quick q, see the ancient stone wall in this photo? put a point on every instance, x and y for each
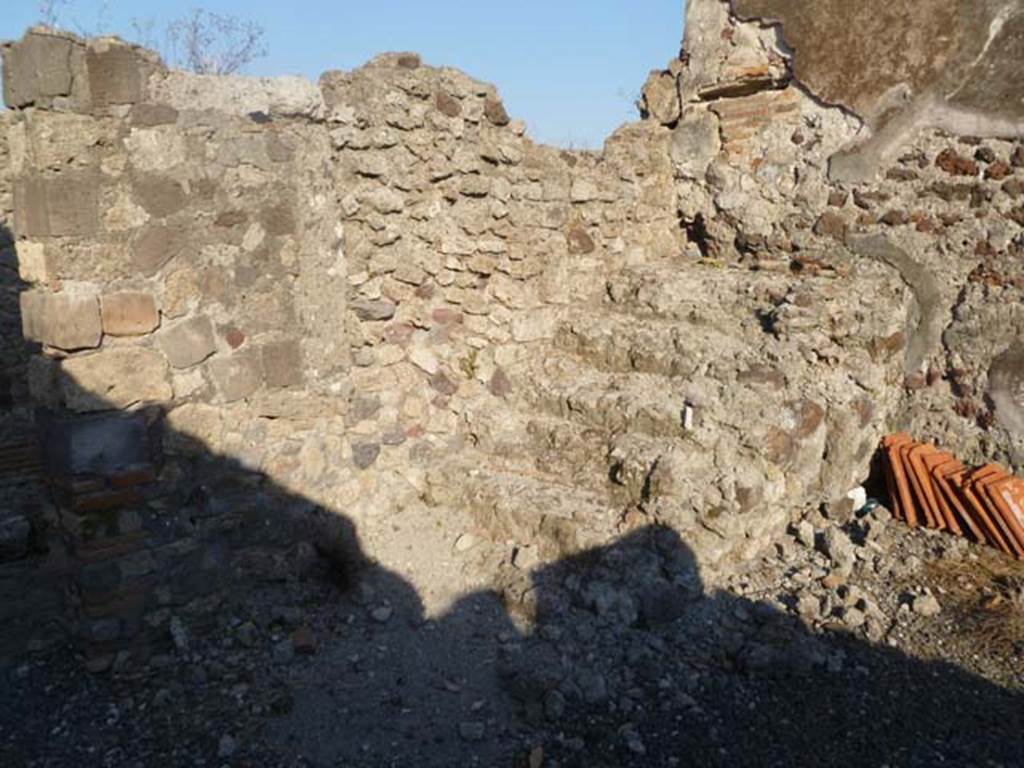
(183, 278)
(766, 110)
(272, 315)
(12, 393)
(203, 257)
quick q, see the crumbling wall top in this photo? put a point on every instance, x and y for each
(871, 57)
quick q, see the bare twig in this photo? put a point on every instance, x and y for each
(49, 12)
(211, 44)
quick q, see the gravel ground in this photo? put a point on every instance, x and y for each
(855, 642)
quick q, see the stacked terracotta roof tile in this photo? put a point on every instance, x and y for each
(929, 487)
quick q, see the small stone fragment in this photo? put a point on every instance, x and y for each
(927, 605)
(382, 614)
(832, 225)
(373, 311)
(805, 533)
(955, 164)
(364, 455)
(447, 105)
(526, 558)
(494, 111)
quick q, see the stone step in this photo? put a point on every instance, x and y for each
(619, 465)
(611, 402)
(622, 343)
(555, 518)
(537, 442)
(705, 296)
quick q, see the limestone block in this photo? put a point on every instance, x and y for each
(114, 378)
(282, 363)
(33, 266)
(384, 200)
(55, 140)
(373, 310)
(129, 314)
(237, 376)
(117, 73)
(495, 112)
(196, 428)
(151, 115)
(189, 342)
(154, 247)
(36, 68)
(96, 445)
(696, 141)
(65, 321)
(278, 220)
(583, 191)
(535, 325)
(159, 195)
(156, 149)
(661, 97)
(57, 206)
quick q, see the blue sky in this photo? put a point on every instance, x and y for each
(569, 68)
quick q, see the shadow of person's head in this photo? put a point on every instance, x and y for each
(646, 578)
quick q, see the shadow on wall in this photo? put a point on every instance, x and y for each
(31, 575)
(15, 407)
(629, 661)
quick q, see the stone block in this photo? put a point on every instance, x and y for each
(160, 196)
(106, 500)
(56, 140)
(369, 311)
(495, 112)
(66, 205)
(157, 149)
(33, 265)
(696, 142)
(129, 314)
(154, 247)
(117, 74)
(278, 220)
(152, 115)
(283, 364)
(105, 445)
(661, 99)
(37, 68)
(237, 376)
(115, 378)
(579, 241)
(189, 342)
(59, 320)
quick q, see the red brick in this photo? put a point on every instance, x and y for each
(106, 500)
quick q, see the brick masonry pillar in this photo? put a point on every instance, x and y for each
(101, 471)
